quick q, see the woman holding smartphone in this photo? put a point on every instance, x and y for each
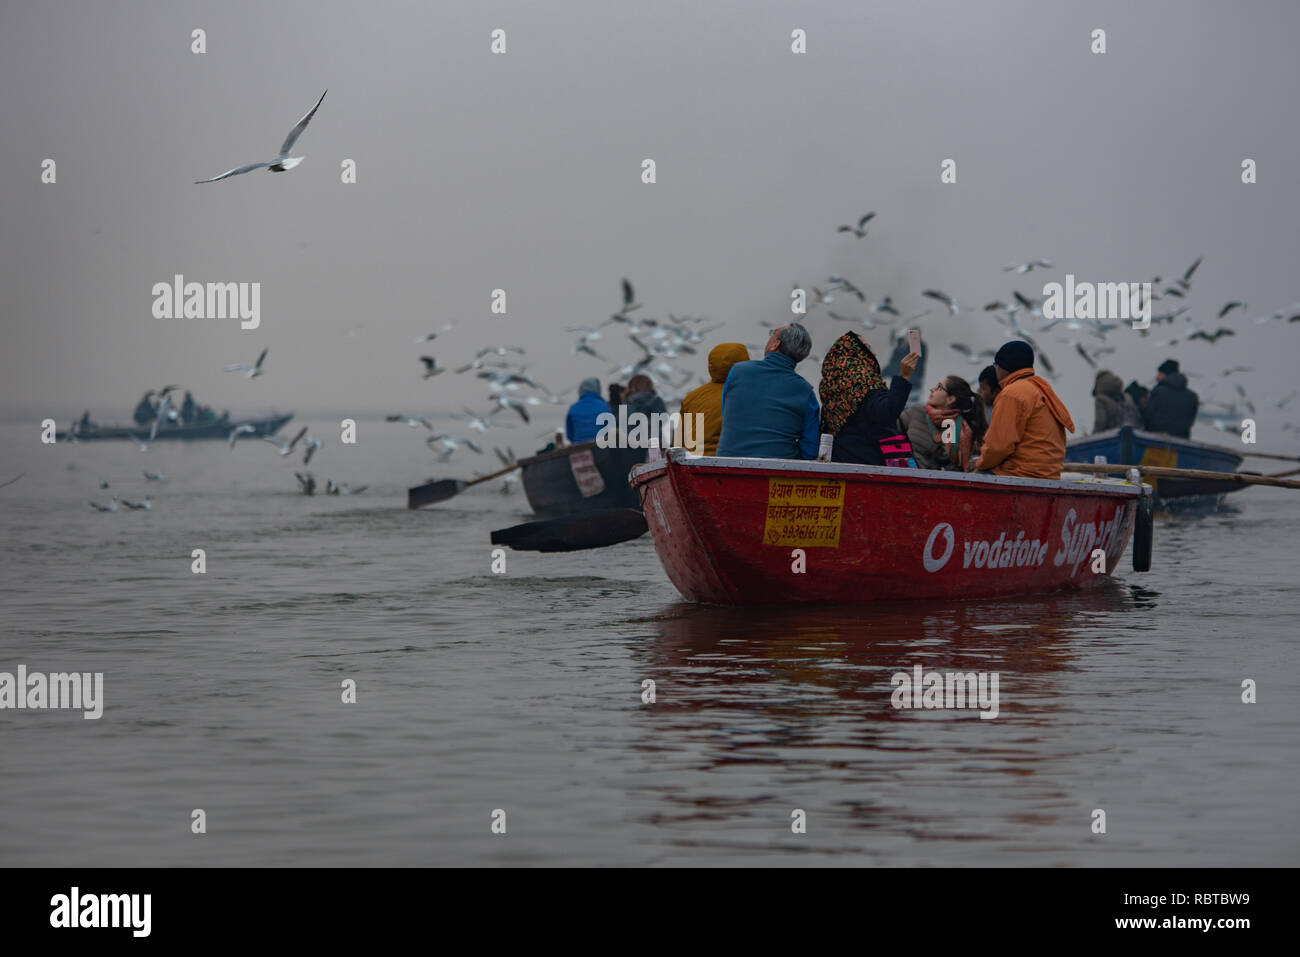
(857, 407)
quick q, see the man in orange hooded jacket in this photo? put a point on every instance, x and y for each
(707, 399)
(1027, 435)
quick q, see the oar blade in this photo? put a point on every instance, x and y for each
(433, 492)
(597, 530)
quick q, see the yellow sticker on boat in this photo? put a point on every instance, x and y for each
(1165, 458)
(804, 512)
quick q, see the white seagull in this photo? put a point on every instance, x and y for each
(286, 448)
(239, 430)
(250, 372)
(309, 448)
(445, 445)
(283, 161)
(414, 421)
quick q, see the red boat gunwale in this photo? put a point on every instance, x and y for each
(735, 531)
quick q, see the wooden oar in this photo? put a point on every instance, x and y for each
(1156, 471)
(1269, 455)
(432, 492)
(1285, 474)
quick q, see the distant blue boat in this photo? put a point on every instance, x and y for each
(1130, 446)
(220, 429)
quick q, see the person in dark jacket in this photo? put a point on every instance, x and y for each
(1171, 407)
(616, 396)
(894, 366)
(857, 408)
(1113, 406)
(188, 409)
(769, 411)
(988, 390)
(580, 424)
(145, 411)
(641, 397)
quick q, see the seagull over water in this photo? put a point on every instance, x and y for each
(250, 372)
(281, 162)
(286, 447)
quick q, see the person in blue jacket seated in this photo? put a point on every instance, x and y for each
(769, 411)
(857, 407)
(580, 423)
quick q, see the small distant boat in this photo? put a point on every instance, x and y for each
(736, 531)
(267, 425)
(1130, 446)
(579, 494)
(579, 480)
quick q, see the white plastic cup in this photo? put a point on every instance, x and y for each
(652, 453)
(824, 451)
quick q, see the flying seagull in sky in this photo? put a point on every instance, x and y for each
(414, 421)
(944, 298)
(1028, 266)
(286, 447)
(1211, 337)
(250, 372)
(283, 161)
(861, 229)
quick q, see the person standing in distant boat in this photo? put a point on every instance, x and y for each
(1138, 393)
(1113, 407)
(1171, 407)
(145, 411)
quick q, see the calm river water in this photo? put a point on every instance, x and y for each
(522, 691)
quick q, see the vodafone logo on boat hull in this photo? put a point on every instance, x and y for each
(1005, 551)
(931, 563)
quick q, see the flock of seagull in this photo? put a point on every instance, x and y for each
(1021, 317)
(512, 391)
(660, 341)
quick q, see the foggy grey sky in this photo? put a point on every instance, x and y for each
(523, 172)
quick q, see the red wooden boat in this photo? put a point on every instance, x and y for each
(736, 531)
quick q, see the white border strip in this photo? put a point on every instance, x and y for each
(1083, 484)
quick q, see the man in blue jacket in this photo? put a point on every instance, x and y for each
(769, 411)
(580, 423)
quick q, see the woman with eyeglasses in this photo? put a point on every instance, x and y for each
(947, 432)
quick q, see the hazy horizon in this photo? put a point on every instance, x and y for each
(522, 171)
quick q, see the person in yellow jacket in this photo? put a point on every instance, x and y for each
(1027, 435)
(707, 399)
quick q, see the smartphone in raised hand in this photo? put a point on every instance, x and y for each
(914, 340)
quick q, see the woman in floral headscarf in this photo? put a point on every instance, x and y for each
(857, 408)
